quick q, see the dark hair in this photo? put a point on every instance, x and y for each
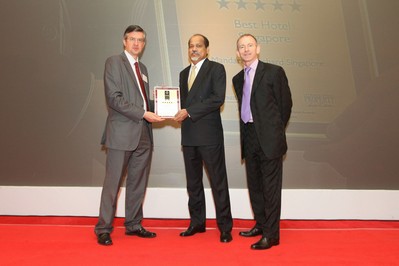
(133, 28)
(206, 41)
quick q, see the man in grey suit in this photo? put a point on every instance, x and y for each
(265, 103)
(203, 89)
(127, 136)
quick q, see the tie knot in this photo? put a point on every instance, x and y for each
(247, 70)
(192, 77)
(193, 71)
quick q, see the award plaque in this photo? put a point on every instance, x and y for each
(167, 101)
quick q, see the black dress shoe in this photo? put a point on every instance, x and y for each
(265, 243)
(192, 230)
(253, 232)
(141, 232)
(225, 237)
(104, 239)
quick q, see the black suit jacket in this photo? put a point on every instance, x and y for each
(203, 102)
(271, 105)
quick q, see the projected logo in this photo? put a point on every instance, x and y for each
(260, 5)
(306, 37)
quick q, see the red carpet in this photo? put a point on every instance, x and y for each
(71, 241)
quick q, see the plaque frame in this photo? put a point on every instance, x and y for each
(166, 101)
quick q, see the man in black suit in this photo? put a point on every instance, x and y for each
(265, 103)
(127, 136)
(203, 89)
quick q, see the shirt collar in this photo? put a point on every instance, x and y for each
(198, 65)
(254, 64)
(130, 58)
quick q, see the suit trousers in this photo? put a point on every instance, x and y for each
(213, 157)
(264, 179)
(137, 165)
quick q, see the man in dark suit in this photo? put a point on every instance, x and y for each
(203, 89)
(264, 101)
(127, 136)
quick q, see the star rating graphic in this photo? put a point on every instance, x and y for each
(223, 3)
(274, 5)
(241, 4)
(295, 6)
(260, 5)
(277, 5)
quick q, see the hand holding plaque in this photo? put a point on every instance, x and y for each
(167, 101)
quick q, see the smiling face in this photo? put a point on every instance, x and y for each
(197, 50)
(247, 49)
(134, 43)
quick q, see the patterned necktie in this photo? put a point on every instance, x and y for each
(136, 65)
(192, 77)
(246, 97)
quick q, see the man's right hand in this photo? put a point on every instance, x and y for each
(152, 117)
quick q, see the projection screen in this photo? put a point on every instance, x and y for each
(341, 59)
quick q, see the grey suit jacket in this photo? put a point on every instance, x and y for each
(125, 104)
(203, 102)
(271, 105)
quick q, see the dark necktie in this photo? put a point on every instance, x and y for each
(136, 65)
(246, 97)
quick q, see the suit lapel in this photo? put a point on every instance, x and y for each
(258, 76)
(198, 79)
(200, 75)
(144, 73)
(240, 84)
(130, 70)
(184, 85)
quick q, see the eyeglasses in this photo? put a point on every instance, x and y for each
(139, 40)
